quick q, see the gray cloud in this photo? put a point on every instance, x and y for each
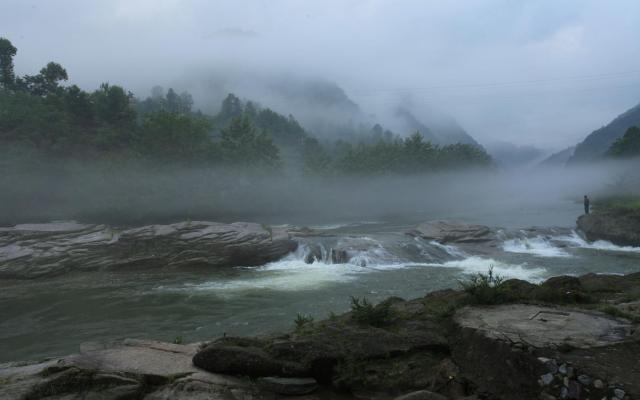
(543, 73)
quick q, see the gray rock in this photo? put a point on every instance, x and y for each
(31, 251)
(584, 379)
(563, 369)
(422, 395)
(598, 384)
(620, 227)
(122, 370)
(546, 379)
(545, 326)
(289, 386)
(246, 361)
(619, 393)
(453, 232)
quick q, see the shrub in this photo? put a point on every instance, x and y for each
(363, 312)
(486, 288)
(301, 321)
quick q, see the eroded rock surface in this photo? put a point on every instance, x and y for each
(540, 327)
(34, 250)
(618, 227)
(453, 232)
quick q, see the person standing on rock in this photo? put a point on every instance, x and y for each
(586, 204)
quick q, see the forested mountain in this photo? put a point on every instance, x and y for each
(628, 146)
(598, 142)
(40, 113)
(437, 128)
(559, 158)
(509, 155)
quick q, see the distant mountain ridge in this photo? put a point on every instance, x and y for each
(440, 129)
(596, 144)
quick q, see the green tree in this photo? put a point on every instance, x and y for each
(231, 108)
(113, 105)
(627, 146)
(167, 136)
(242, 145)
(7, 52)
(47, 81)
(316, 159)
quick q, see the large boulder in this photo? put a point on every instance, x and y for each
(131, 369)
(245, 361)
(526, 351)
(34, 250)
(618, 227)
(453, 232)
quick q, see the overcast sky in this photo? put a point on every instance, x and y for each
(530, 72)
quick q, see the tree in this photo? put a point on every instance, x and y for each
(231, 107)
(627, 146)
(241, 144)
(173, 101)
(316, 158)
(7, 52)
(113, 106)
(167, 136)
(46, 82)
(186, 102)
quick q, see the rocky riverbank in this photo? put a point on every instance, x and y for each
(568, 337)
(618, 225)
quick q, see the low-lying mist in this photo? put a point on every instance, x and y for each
(131, 193)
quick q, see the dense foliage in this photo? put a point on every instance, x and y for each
(66, 121)
(410, 155)
(628, 145)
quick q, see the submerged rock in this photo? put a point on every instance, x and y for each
(30, 251)
(453, 232)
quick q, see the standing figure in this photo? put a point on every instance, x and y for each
(586, 204)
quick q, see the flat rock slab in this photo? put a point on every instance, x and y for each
(545, 326)
(453, 232)
(40, 250)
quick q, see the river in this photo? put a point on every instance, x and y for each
(53, 316)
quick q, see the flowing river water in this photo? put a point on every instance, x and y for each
(53, 316)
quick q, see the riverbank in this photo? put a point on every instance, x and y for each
(616, 220)
(567, 337)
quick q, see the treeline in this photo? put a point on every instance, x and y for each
(65, 121)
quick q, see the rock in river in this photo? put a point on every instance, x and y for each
(34, 250)
(616, 226)
(453, 232)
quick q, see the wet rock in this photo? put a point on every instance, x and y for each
(30, 251)
(289, 386)
(422, 395)
(546, 379)
(619, 393)
(584, 380)
(453, 232)
(246, 361)
(621, 227)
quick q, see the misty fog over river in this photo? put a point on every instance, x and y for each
(53, 316)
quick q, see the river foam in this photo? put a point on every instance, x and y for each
(537, 246)
(576, 241)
